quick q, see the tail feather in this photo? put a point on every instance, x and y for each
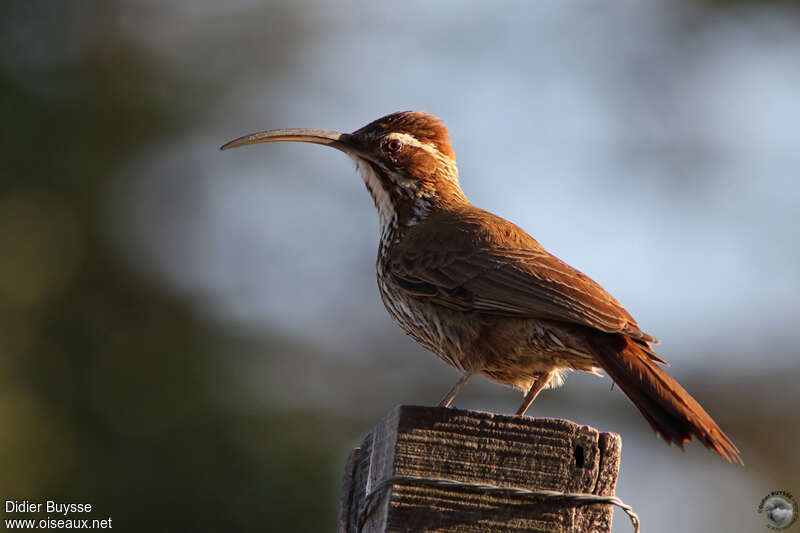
(669, 409)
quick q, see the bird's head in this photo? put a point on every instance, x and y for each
(405, 159)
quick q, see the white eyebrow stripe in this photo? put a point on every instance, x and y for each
(450, 172)
(448, 168)
(410, 140)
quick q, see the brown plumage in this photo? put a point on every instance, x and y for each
(670, 410)
(483, 295)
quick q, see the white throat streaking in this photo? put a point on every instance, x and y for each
(386, 212)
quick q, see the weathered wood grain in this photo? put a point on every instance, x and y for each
(476, 447)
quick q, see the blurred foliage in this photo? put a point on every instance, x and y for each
(110, 390)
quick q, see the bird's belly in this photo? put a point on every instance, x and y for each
(450, 334)
(512, 351)
(520, 350)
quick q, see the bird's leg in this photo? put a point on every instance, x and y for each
(536, 387)
(456, 389)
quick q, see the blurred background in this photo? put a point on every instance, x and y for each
(192, 339)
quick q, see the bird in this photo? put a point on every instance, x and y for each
(779, 511)
(485, 296)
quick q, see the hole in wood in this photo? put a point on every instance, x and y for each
(578, 454)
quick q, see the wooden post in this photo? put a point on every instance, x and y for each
(415, 444)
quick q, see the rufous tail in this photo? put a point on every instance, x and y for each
(669, 409)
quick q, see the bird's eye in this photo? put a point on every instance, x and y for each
(394, 145)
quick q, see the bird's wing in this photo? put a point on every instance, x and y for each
(471, 260)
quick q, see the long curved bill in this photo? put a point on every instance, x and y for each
(334, 139)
